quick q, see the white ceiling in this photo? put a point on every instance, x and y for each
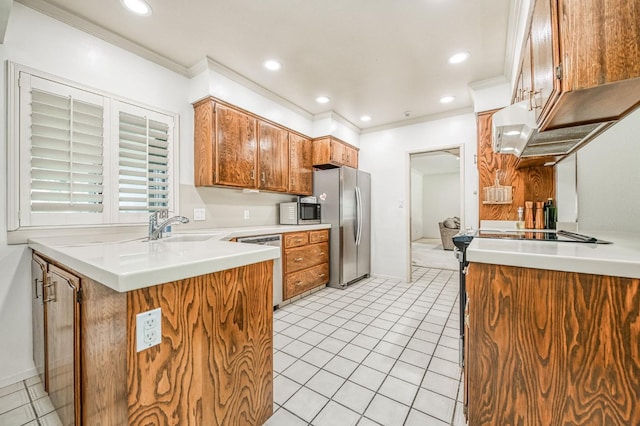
(436, 162)
(374, 57)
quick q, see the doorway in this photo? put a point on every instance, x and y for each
(436, 201)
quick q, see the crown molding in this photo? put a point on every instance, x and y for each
(418, 120)
(102, 33)
(488, 83)
(212, 65)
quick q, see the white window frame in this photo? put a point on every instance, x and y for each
(18, 156)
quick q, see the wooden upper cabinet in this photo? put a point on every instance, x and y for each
(585, 60)
(544, 57)
(273, 157)
(235, 148)
(300, 167)
(330, 152)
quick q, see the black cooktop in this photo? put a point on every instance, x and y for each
(540, 235)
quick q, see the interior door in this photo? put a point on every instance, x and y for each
(63, 344)
(349, 224)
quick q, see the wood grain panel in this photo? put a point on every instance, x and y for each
(238, 327)
(300, 165)
(544, 55)
(38, 315)
(63, 345)
(552, 348)
(204, 143)
(165, 381)
(318, 236)
(301, 281)
(104, 355)
(296, 239)
(235, 148)
(299, 258)
(273, 157)
(600, 41)
(321, 151)
(529, 183)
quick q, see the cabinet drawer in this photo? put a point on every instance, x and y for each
(307, 279)
(318, 236)
(305, 257)
(296, 239)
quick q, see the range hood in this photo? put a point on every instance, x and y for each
(515, 132)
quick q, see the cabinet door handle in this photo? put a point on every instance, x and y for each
(253, 174)
(321, 275)
(35, 286)
(263, 177)
(298, 283)
(298, 259)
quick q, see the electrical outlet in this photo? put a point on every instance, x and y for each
(198, 214)
(148, 329)
(246, 214)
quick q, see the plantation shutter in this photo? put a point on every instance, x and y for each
(66, 154)
(143, 162)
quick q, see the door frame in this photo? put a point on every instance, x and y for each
(462, 177)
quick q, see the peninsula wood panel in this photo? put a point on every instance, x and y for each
(273, 157)
(300, 165)
(238, 330)
(552, 348)
(536, 183)
(104, 355)
(186, 380)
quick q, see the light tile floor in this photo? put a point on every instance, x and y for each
(26, 403)
(381, 352)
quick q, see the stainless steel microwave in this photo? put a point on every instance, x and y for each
(298, 213)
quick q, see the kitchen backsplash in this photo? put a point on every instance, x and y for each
(225, 207)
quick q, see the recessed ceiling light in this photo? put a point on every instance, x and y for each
(365, 118)
(322, 100)
(272, 65)
(459, 57)
(139, 7)
(446, 99)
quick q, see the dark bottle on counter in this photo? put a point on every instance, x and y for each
(550, 214)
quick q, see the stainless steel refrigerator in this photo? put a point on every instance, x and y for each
(345, 196)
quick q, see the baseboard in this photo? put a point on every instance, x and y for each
(9, 380)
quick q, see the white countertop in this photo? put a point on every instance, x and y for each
(621, 259)
(134, 263)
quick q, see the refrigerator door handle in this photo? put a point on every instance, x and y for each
(358, 215)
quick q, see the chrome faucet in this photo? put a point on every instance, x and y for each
(155, 229)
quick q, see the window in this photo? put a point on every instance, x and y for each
(87, 158)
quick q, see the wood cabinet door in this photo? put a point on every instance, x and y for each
(235, 148)
(337, 152)
(351, 157)
(526, 77)
(544, 55)
(63, 344)
(273, 157)
(38, 281)
(300, 167)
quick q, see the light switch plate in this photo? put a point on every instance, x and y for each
(148, 329)
(198, 214)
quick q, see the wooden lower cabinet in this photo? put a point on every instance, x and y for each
(551, 348)
(38, 312)
(306, 261)
(214, 365)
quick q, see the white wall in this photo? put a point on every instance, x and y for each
(417, 193)
(441, 200)
(40, 42)
(609, 179)
(385, 154)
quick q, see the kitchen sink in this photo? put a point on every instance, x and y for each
(183, 238)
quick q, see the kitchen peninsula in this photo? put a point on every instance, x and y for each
(553, 332)
(214, 362)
